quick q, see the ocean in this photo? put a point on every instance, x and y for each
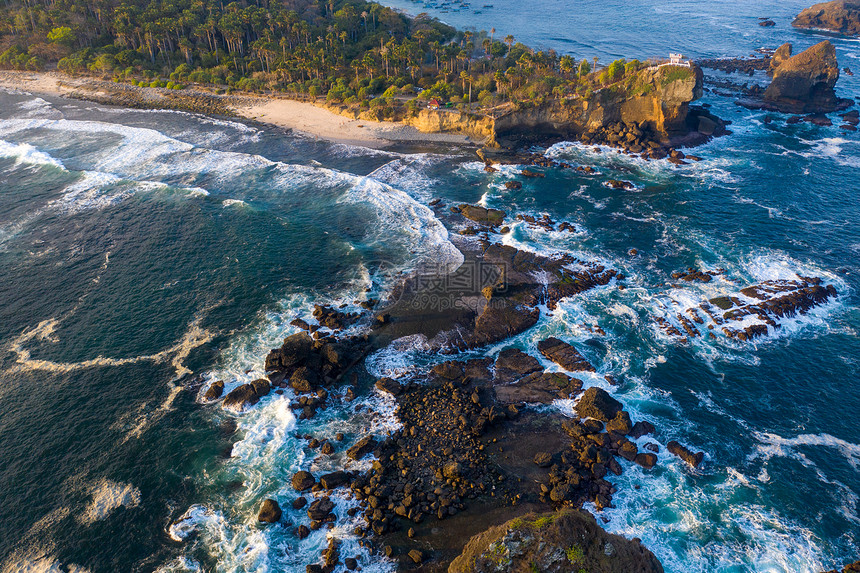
(144, 254)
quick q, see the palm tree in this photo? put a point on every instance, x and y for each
(492, 33)
(509, 40)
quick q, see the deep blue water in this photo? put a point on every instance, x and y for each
(143, 251)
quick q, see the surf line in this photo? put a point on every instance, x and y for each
(194, 337)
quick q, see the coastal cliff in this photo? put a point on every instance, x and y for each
(840, 16)
(804, 83)
(657, 98)
(646, 111)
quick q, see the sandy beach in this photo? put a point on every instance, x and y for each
(302, 117)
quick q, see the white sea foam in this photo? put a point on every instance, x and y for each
(26, 154)
(407, 221)
(771, 445)
(39, 563)
(408, 173)
(107, 496)
(398, 358)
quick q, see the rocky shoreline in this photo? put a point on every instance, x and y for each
(477, 455)
(625, 122)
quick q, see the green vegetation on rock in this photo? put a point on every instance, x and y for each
(353, 54)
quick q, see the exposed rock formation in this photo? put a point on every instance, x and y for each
(850, 568)
(566, 541)
(804, 83)
(841, 16)
(656, 103)
(270, 512)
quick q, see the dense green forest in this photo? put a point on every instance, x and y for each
(347, 51)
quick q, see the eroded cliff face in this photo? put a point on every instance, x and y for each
(656, 101)
(840, 16)
(804, 83)
(477, 127)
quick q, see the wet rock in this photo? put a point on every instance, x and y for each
(647, 461)
(598, 404)
(541, 388)
(270, 512)
(616, 184)
(628, 451)
(299, 503)
(641, 428)
(334, 479)
(361, 448)
(512, 364)
(502, 320)
(303, 481)
(620, 424)
(513, 185)
(320, 509)
(304, 380)
(482, 215)
(564, 355)
(416, 556)
(390, 386)
(694, 459)
(214, 391)
(247, 394)
(302, 531)
(530, 173)
(294, 351)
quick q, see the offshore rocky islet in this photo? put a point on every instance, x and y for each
(473, 450)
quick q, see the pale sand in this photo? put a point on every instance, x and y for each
(302, 117)
(320, 122)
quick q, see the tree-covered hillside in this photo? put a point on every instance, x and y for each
(353, 52)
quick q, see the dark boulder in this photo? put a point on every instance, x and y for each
(694, 459)
(361, 448)
(303, 481)
(247, 394)
(512, 364)
(540, 388)
(320, 509)
(334, 479)
(389, 385)
(214, 391)
(304, 380)
(270, 512)
(641, 428)
(564, 355)
(482, 215)
(598, 404)
(647, 461)
(293, 352)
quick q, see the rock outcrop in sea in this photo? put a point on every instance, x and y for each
(804, 83)
(559, 542)
(653, 109)
(842, 16)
